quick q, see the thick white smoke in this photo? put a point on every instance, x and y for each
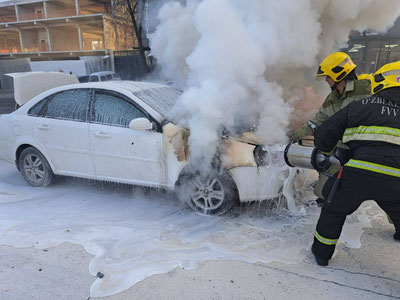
(242, 63)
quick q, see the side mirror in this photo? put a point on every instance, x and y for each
(140, 124)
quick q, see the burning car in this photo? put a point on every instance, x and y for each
(118, 131)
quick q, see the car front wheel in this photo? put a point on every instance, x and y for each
(213, 194)
(35, 168)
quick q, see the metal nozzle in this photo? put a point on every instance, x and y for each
(308, 157)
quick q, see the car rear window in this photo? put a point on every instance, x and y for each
(69, 105)
(160, 99)
(83, 79)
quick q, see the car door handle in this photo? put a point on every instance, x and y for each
(102, 134)
(44, 127)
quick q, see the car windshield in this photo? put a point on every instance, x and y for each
(160, 99)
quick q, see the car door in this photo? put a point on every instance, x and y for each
(119, 153)
(62, 128)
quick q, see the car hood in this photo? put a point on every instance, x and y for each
(249, 137)
(233, 151)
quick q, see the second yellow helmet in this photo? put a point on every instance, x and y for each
(337, 66)
(386, 77)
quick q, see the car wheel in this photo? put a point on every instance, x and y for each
(35, 168)
(213, 194)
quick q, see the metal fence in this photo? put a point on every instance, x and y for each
(129, 65)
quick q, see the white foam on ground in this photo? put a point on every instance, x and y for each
(135, 234)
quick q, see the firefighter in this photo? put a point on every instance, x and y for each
(370, 127)
(339, 71)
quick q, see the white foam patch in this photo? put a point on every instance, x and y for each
(355, 224)
(133, 235)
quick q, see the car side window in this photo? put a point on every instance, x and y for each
(113, 110)
(69, 105)
(103, 78)
(109, 77)
(93, 78)
(37, 108)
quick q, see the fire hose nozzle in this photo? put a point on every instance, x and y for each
(308, 157)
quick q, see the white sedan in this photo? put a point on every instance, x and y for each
(118, 131)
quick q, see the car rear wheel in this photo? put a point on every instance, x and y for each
(213, 194)
(35, 168)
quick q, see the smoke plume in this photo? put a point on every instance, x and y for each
(244, 63)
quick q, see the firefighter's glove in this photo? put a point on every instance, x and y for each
(297, 135)
(301, 132)
(343, 155)
(330, 153)
(294, 137)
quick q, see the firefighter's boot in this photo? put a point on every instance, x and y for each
(321, 261)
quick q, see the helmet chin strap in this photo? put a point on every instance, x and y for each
(334, 86)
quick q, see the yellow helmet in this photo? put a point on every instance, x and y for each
(365, 76)
(337, 66)
(386, 77)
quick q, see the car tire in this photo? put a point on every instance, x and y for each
(35, 168)
(213, 194)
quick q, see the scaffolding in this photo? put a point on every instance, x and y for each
(46, 29)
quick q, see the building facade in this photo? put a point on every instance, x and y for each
(62, 29)
(371, 50)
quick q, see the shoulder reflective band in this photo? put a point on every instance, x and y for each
(325, 241)
(365, 165)
(372, 133)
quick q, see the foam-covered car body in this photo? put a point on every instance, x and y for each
(118, 131)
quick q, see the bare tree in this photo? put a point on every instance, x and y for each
(132, 7)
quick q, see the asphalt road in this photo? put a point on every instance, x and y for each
(368, 273)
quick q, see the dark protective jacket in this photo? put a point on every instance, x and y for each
(371, 129)
(354, 90)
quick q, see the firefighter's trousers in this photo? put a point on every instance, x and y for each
(355, 187)
(323, 178)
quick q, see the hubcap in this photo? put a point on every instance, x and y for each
(34, 168)
(207, 193)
